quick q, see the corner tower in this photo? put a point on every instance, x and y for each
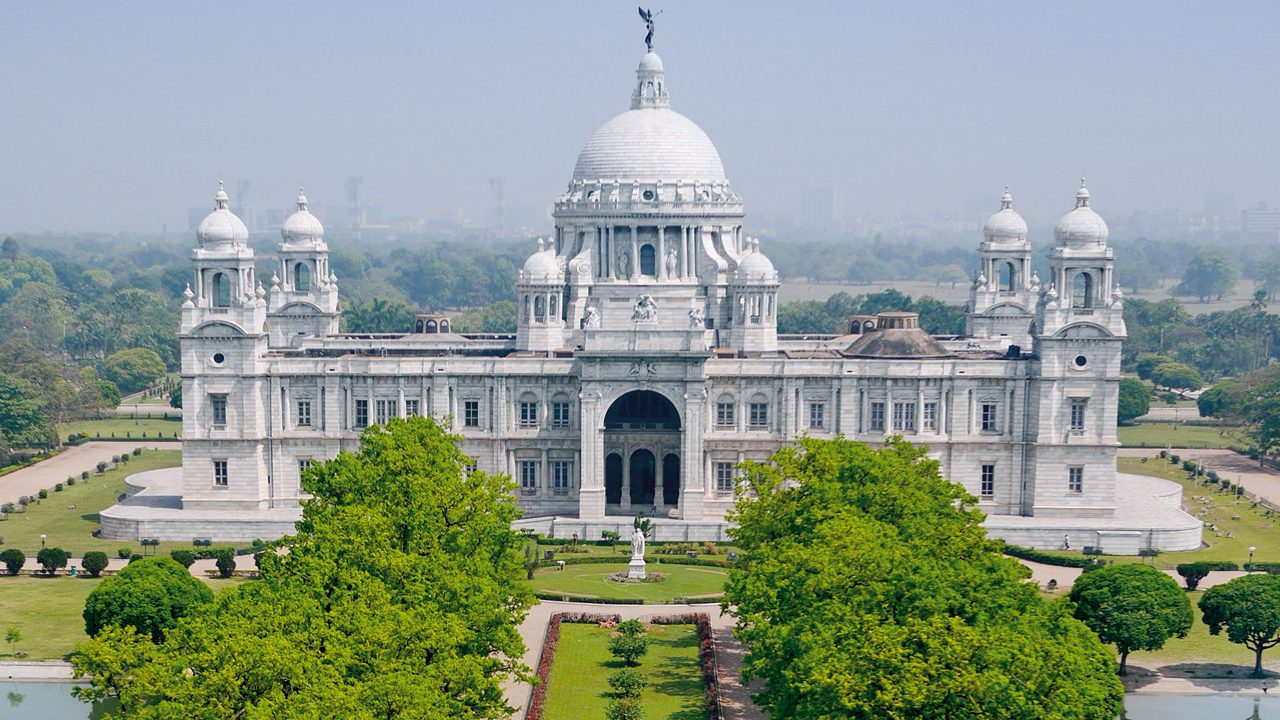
(304, 292)
(1002, 297)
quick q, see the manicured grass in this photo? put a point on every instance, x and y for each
(1201, 647)
(48, 612)
(578, 687)
(70, 527)
(124, 427)
(683, 581)
(1167, 434)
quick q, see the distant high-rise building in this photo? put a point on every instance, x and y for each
(817, 208)
(1260, 220)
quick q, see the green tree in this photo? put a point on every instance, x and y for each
(13, 560)
(52, 559)
(378, 315)
(629, 648)
(627, 682)
(225, 560)
(94, 562)
(1147, 364)
(1248, 608)
(24, 420)
(13, 636)
(530, 558)
(185, 558)
(1135, 400)
(134, 369)
(1177, 376)
(149, 595)
(1210, 274)
(865, 587)
(400, 597)
(624, 708)
(1216, 401)
(1134, 607)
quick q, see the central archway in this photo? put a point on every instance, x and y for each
(642, 444)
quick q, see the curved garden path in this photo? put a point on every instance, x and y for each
(68, 463)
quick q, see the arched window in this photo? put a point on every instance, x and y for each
(1082, 290)
(1007, 276)
(444, 326)
(301, 277)
(221, 290)
(431, 327)
(539, 308)
(648, 260)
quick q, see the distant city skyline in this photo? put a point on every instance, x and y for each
(122, 119)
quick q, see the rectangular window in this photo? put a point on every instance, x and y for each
(470, 467)
(560, 472)
(929, 418)
(990, 417)
(412, 408)
(471, 413)
(988, 488)
(758, 415)
(303, 464)
(904, 417)
(560, 414)
(529, 475)
(724, 477)
(220, 472)
(724, 414)
(817, 416)
(362, 413)
(1077, 415)
(877, 416)
(304, 413)
(528, 414)
(219, 405)
(384, 410)
(1075, 480)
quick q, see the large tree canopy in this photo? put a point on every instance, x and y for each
(1134, 607)
(866, 588)
(1249, 609)
(399, 598)
(149, 595)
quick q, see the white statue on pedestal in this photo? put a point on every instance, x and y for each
(636, 568)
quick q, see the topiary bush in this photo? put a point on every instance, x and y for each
(631, 627)
(52, 559)
(43, 494)
(185, 558)
(57, 487)
(624, 709)
(629, 648)
(102, 467)
(94, 562)
(124, 553)
(84, 475)
(226, 561)
(13, 560)
(627, 682)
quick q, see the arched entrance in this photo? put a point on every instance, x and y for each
(642, 436)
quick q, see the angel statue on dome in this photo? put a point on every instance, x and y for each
(648, 16)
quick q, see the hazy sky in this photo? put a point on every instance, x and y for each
(119, 116)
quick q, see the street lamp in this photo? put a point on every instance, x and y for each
(1250, 566)
(42, 539)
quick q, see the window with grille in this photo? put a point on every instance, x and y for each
(758, 415)
(384, 410)
(471, 413)
(412, 408)
(362, 413)
(1075, 479)
(1077, 415)
(988, 488)
(929, 417)
(560, 473)
(724, 477)
(904, 417)
(529, 475)
(990, 417)
(724, 414)
(817, 415)
(304, 413)
(220, 475)
(528, 414)
(303, 464)
(877, 416)
(218, 403)
(560, 414)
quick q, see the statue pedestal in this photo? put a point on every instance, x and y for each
(635, 570)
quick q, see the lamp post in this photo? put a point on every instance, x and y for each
(42, 539)
(1249, 567)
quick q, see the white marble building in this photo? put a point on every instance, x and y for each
(647, 364)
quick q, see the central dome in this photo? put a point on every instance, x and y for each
(650, 144)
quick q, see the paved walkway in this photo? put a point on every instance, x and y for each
(71, 462)
(1066, 576)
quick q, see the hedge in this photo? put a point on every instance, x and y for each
(1047, 558)
(563, 597)
(655, 559)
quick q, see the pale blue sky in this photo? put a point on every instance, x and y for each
(122, 115)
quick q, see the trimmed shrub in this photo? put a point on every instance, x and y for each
(57, 487)
(52, 559)
(13, 560)
(71, 482)
(627, 682)
(629, 648)
(137, 451)
(631, 627)
(185, 558)
(124, 553)
(1045, 558)
(42, 494)
(102, 467)
(626, 708)
(226, 562)
(84, 475)
(94, 562)
(125, 458)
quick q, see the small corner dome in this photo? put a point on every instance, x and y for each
(755, 265)
(541, 264)
(1005, 225)
(302, 225)
(222, 226)
(651, 62)
(1082, 226)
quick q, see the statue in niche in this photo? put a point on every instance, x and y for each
(673, 262)
(624, 264)
(697, 319)
(591, 318)
(645, 310)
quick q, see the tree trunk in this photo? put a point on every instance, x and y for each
(1124, 662)
(1257, 664)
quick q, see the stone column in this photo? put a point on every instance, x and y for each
(591, 496)
(692, 490)
(626, 479)
(635, 253)
(660, 268)
(608, 257)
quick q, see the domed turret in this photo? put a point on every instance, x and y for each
(302, 225)
(222, 227)
(756, 266)
(1082, 227)
(541, 266)
(1005, 226)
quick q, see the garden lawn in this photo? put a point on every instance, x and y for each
(578, 688)
(682, 581)
(70, 527)
(124, 427)
(1201, 647)
(1167, 434)
(48, 612)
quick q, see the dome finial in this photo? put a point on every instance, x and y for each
(1006, 200)
(220, 199)
(302, 199)
(1082, 195)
